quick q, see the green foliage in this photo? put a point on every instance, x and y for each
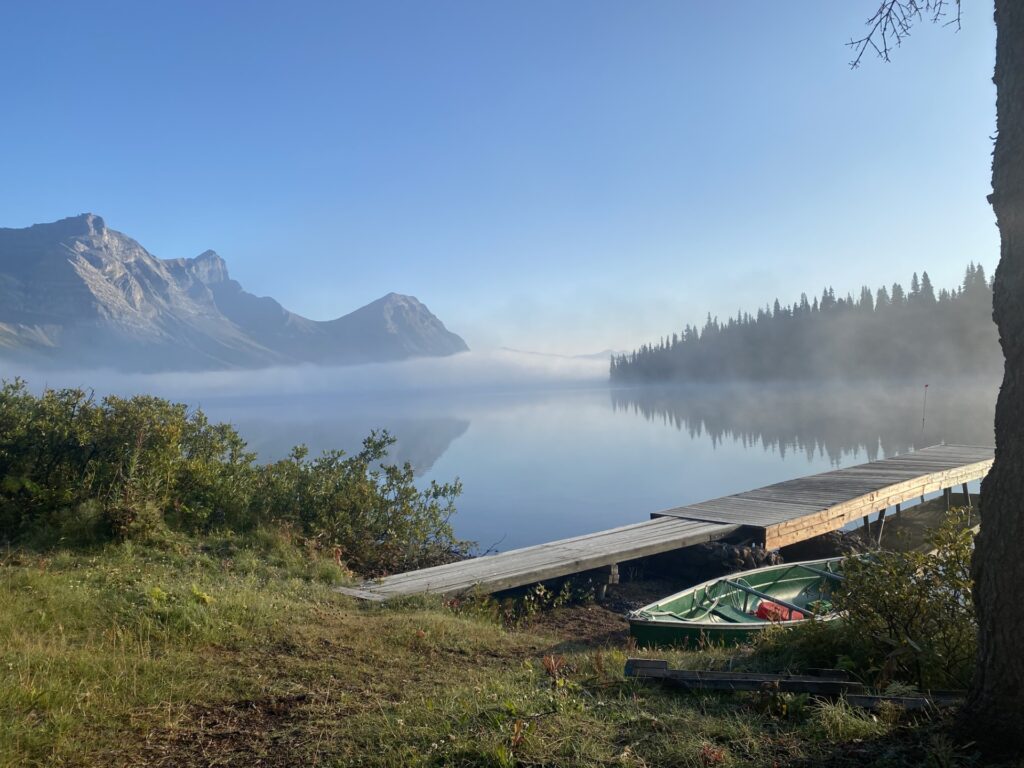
(840, 722)
(514, 608)
(905, 617)
(75, 470)
(372, 510)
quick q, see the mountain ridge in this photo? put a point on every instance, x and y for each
(75, 292)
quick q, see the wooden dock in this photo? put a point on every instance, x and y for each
(794, 510)
(776, 515)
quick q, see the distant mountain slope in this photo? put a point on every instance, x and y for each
(75, 292)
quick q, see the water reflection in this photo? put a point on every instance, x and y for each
(272, 426)
(540, 465)
(825, 421)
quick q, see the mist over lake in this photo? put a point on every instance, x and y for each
(546, 449)
(557, 452)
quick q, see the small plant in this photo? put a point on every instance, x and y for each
(200, 596)
(778, 704)
(519, 729)
(840, 722)
(710, 754)
(553, 666)
(524, 604)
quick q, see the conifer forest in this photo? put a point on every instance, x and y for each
(888, 333)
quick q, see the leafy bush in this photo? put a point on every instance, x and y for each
(77, 470)
(912, 612)
(905, 616)
(372, 510)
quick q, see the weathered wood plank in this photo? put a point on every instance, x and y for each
(829, 686)
(508, 570)
(782, 513)
(653, 669)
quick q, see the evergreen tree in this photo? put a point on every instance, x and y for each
(867, 303)
(927, 291)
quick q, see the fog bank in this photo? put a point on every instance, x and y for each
(489, 370)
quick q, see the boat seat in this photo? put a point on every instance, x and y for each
(735, 615)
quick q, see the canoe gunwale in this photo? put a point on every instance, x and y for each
(717, 626)
(644, 617)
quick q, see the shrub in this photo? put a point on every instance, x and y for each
(372, 510)
(77, 470)
(912, 612)
(144, 461)
(904, 616)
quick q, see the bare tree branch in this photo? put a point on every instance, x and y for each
(893, 20)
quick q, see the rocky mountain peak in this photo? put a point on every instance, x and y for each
(92, 224)
(84, 225)
(75, 292)
(208, 267)
(398, 300)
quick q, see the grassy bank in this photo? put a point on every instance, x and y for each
(236, 651)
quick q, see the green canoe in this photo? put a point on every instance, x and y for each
(734, 608)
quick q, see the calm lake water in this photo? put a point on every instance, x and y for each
(540, 464)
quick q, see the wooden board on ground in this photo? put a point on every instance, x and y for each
(825, 685)
(704, 680)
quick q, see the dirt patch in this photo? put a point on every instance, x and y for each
(630, 595)
(590, 625)
(260, 733)
(599, 625)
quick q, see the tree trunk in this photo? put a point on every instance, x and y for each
(993, 714)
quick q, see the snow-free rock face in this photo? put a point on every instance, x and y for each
(75, 292)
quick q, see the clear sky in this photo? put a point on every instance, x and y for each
(554, 176)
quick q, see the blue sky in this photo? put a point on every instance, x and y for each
(554, 176)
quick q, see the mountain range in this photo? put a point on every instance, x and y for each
(77, 293)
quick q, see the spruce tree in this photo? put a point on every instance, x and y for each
(927, 291)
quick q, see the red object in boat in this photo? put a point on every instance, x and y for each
(770, 611)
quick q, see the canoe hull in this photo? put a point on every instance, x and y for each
(654, 633)
(655, 624)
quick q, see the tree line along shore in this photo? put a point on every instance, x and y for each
(883, 334)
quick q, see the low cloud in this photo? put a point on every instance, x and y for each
(494, 370)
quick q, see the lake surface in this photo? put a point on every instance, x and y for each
(545, 463)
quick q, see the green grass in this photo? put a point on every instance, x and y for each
(238, 652)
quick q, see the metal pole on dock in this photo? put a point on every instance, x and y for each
(924, 408)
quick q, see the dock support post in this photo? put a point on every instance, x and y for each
(899, 512)
(613, 578)
(967, 496)
(867, 529)
(881, 525)
(947, 494)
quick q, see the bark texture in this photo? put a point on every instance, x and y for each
(994, 715)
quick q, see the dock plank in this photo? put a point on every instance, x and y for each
(783, 513)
